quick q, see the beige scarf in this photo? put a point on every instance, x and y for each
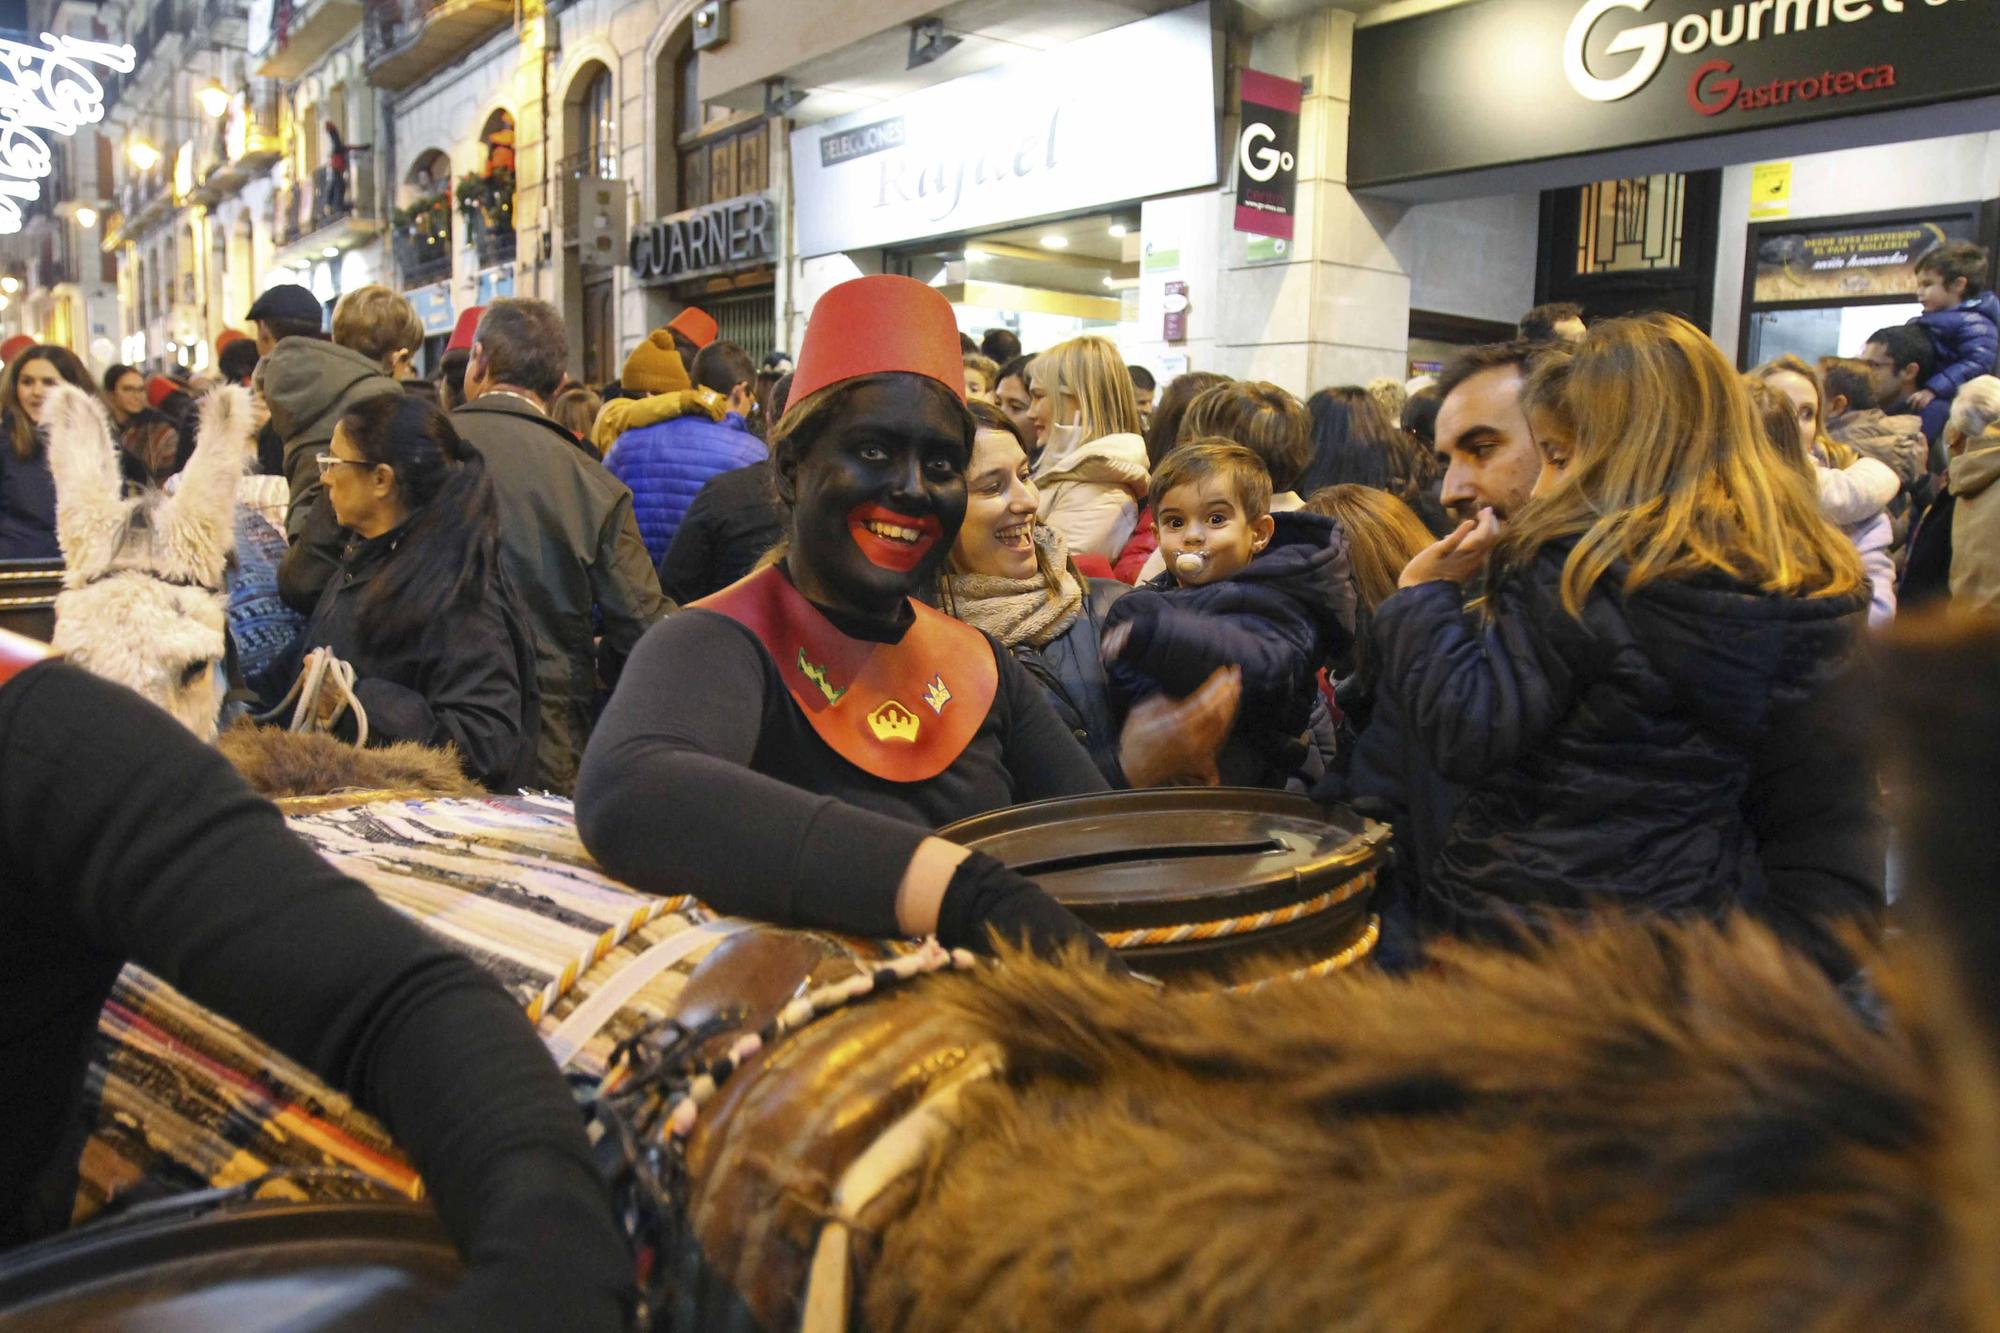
(1018, 611)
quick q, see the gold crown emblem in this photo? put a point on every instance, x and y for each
(892, 722)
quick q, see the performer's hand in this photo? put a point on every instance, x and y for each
(987, 901)
(1174, 742)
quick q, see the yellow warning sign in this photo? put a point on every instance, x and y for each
(1770, 191)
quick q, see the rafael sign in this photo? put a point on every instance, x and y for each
(1498, 82)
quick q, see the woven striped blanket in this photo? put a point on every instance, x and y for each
(186, 1101)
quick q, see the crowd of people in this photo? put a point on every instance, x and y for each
(1571, 616)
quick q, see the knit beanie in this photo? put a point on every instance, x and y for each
(655, 367)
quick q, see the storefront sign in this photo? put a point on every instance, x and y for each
(1836, 265)
(493, 284)
(1267, 155)
(1126, 114)
(433, 304)
(1504, 81)
(733, 234)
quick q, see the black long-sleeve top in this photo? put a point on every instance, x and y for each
(122, 837)
(704, 777)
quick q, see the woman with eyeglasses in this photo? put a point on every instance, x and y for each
(419, 607)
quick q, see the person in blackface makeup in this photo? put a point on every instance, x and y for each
(782, 748)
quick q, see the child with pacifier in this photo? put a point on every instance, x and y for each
(1269, 593)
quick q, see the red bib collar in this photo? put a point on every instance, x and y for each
(900, 711)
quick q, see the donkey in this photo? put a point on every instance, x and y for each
(143, 584)
(144, 600)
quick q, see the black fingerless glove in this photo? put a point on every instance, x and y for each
(985, 899)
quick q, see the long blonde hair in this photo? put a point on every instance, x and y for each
(1383, 535)
(1088, 375)
(1674, 477)
(1836, 454)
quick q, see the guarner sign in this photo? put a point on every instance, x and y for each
(1497, 82)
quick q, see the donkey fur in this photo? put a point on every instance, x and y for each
(280, 764)
(1677, 1127)
(142, 600)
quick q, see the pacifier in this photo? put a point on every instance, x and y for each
(1190, 563)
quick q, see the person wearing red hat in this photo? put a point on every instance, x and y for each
(692, 330)
(782, 748)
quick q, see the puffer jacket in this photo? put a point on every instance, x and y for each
(1895, 442)
(468, 680)
(1967, 337)
(1070, 670)
(310, 384)
(1278, 619)
(1975, 529)
(1637, 757)
(1091, 494)
(668, 462)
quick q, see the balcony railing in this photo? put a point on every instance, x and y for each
(406, 40)
(301, 32)
(493, 245)
(423, 241)
(307, 207)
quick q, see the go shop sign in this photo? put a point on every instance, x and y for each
(1497, 82)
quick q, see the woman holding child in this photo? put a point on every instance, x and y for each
(1654, 629)
(1012, 576)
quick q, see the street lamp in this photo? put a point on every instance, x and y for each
(10, 284)
(214, 99)
(86, 217)
(142, 154)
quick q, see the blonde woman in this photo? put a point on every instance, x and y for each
(1629, 708)
(1092, 470)
(1854, 490)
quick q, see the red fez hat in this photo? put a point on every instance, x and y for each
(697, 326)
(866, 326)
(228, 336)
(157, 389)
(461, 332)
(14, 346)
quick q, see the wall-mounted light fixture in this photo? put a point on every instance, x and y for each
(928, 41)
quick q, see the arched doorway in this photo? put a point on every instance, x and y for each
(486, 201)
(422, 230)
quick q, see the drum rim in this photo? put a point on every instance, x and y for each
(1364, 849)
(111, 1247)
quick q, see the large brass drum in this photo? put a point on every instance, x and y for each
(1189, 882)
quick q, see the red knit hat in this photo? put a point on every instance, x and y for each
(14, 346)
(228, 336)
(869, 325)
(697, 326)
(157, 389)
(461, 332)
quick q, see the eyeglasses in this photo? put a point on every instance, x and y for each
(328, 462)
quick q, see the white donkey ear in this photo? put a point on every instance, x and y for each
(83, 459)
(197, 527)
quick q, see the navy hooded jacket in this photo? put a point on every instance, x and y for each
(1279, 619)
(1967, 338)
(1669, 752)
